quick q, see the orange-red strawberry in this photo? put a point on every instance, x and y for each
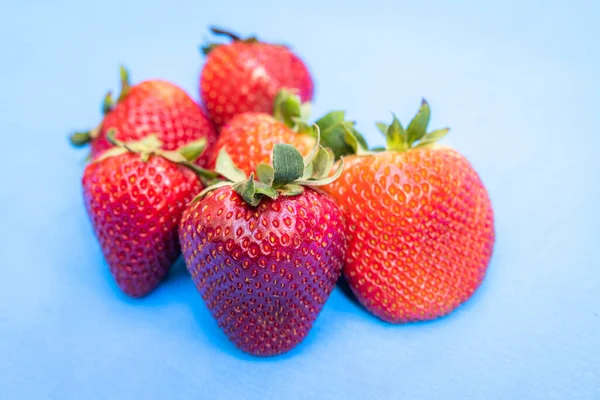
(245, 75)
(249, 137)
(420, 225)
(135, 202)
(151, 107)
(266, 254)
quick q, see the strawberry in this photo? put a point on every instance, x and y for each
(249, 137)
(135, 202)
(150, 107)
(266, 254)
(420, 225)
(245, 75)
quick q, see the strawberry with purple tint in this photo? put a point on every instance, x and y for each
(265, 254)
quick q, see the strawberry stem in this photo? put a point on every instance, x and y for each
(223, 32)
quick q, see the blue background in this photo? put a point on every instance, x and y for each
(516, 80)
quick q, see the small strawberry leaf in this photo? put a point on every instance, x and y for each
(418, 126)
(432, 137)
(287, 107)
(383, 127)
(125, 84)
(355, 140)
(313, 152)
(266, 190)
(265, 173)
(396, 136)
(226, 167)
(193, 150)
(322, 163)
(291, 189)
(112, 152)
(107, 103)
(247, 190)
(323, 181)
(253, 191)
(333, 134)
(287, 164)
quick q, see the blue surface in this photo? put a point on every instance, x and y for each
(518, 83)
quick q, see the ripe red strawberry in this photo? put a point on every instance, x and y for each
(135, 203)
(265, 255)
(245, 75)
(249, 137)
(420, 225)
(151, 107)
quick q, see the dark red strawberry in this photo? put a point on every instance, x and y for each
(151, 107)
(134, 199)
(246, 75)
(266, 254)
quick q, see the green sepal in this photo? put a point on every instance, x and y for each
(265, 173)
(125, 84)
(432, 137)
(193, 150)
(333, 128)
(287, 175)
(80, 139)
(288, 164)
(383, 127)
(418, 126)
(415, 135)
(313, 152)
(227, 168)
(107, 103)
(324, 181)
(266, 190)
(112, 152)
(323, 162)
(288, 108)
(252, 191)
(355, 140)
(396, 136)
(291, 189)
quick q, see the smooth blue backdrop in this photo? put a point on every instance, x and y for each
(516, 80)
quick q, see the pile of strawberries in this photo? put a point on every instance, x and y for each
(269, 209)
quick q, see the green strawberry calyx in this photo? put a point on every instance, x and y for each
(207, 48)
(82, 138)
(336, 132)
(152, 146)
(287, 175)
(415, 135)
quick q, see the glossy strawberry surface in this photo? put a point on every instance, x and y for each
(135, 208)
(420, 230)
(249, 139)
(161, 108)
(241, 77)
(264, 272)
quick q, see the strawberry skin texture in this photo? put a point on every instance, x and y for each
(135, 208)
(249, 139)
(161, 108)
(420, 228)
(241, 77)
(264, 272)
